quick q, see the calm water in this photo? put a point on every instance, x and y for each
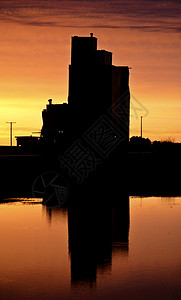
(123, 251)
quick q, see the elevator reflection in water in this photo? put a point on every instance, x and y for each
(95, 231)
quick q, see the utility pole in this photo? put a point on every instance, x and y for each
(141, 126)
(11, 132)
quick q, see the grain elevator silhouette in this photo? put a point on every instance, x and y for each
(96, 88)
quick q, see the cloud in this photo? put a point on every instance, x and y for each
(147, 15)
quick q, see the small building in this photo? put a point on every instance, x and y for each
(28, 144)
(55, 122)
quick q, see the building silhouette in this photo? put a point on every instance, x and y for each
(96, 87)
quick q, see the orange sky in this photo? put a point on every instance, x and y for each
(35, 54)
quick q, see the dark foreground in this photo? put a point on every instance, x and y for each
(137, 173)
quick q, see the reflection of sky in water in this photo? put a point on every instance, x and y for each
(42, 248)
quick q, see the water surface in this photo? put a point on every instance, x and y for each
(129, 249)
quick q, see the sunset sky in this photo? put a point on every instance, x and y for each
(35, 49)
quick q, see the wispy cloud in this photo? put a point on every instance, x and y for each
(148, 15)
